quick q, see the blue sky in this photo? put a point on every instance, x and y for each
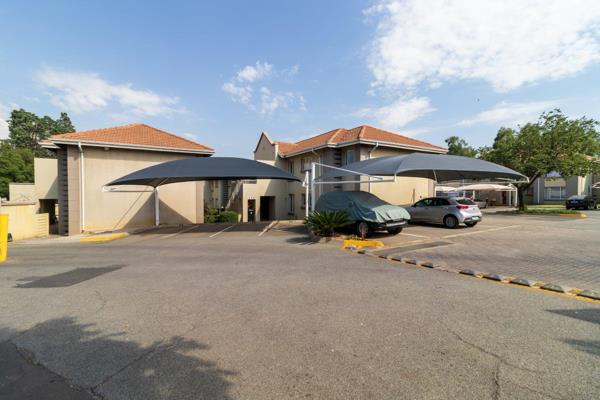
(222, 72)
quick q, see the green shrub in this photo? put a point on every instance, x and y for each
(211, 215)
(228, 216)
(326, 222)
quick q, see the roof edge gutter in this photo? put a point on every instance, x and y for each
(127, 147)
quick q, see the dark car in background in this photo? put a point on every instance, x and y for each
(581, 201)
(368, 211)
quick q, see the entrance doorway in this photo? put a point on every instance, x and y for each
(267, 208)
(251, 210)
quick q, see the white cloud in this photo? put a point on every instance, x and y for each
(506, 43)
(240, 94)
(399, 113)
(243, 85)
(510, 113)
(4, 113)
(252, 73)
(81, 92)
(270, 102)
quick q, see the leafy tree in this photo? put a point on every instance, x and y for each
(459, 147)
(26, 129)
(555, 143)
(16, 165)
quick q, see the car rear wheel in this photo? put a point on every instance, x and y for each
(363, 229)
(394, 231)
(470, 224)
(450, 221)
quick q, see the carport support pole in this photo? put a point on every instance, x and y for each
(156, 207)
(313, 198)
(306, 198)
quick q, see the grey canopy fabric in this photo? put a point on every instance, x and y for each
(203, 169)
(432, 166)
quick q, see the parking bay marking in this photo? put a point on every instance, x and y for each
(483, 231)
(412, 234)
(267, 228)
(223, 230)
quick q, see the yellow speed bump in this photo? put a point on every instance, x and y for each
(103, 238)
(362, 243)
(578, 215)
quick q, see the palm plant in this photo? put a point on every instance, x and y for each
(324, 223)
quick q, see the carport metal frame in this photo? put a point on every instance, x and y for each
(310, 182)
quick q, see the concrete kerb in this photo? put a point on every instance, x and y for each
(102, 238)
(575, 293)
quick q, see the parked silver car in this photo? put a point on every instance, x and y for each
(449, 211)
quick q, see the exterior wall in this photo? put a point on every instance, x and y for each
(404, 191)
(46, 178)
(267, 152)
(73, 181)
(22, 192)
(179, 202)
(23, 222)
(574, 185)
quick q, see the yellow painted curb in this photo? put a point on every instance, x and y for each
(580, 215)
(362, 243)
(103, 238)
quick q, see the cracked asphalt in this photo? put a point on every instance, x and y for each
(243, 316)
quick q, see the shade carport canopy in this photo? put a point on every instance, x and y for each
(203, 169)
(486, 187)
(432, 166)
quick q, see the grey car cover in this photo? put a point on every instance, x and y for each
(361, 206)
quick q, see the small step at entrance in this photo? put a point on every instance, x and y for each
(389, 251)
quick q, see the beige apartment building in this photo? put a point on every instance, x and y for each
(265, 200)
(88, 160)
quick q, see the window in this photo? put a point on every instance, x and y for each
(303, 205)
(467, 202)
(305, 164)
(424, 203)
(291, 167)
(349, 157)
(554, 193)
(440, 202)
(292, 208)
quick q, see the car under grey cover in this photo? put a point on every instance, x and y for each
(362, 206)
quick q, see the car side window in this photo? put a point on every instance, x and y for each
(423, 203)
(442, 202)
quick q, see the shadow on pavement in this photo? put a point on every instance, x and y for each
(589, 346)
(61, 358)
(589, 314)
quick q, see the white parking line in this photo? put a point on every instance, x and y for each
(483, 231)
(180, 232)
(221, 231)
(412, 234)
(267, 228)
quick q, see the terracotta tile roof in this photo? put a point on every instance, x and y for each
(360, 133)
(134, 135)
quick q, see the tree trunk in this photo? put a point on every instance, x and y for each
(521, 197)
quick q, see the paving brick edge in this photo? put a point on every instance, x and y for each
(551, 287)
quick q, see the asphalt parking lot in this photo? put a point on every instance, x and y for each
(245, 312)
(558, 249)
